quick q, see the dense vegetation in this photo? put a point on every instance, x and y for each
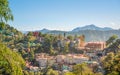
(82, 69)
(16, 47)
(111, 64)
(11, 63)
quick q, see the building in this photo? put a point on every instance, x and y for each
(42, 59)
(69, 59)
(42, 62)
(95, 45)
(60, 58)
(79, 59)
(51, 60)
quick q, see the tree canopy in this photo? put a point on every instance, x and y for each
(111, 64)
(5, 11)
(111, 40)
(11, 63)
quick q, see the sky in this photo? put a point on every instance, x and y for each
(30, 15)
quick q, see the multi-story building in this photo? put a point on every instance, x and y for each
(95, 45)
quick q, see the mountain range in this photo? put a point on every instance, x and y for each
(91, 32)
(91, 27)
(77, 29)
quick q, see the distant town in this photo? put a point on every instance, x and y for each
(85, 50)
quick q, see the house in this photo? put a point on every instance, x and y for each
(42, 62)
(51, 60)
(42, 59)
(60, 58)
(69, 59)
(95, 45)
(78, 59)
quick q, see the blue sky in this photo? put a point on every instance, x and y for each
(64, 14)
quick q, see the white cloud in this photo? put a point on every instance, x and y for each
(114, 25)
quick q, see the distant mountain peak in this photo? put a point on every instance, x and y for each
(91, 27)
(44, 30)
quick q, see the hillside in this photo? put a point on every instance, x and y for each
(8, 33)
(91, 32)
(96, 35)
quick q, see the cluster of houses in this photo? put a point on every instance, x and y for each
(44, 59)
(66, 62)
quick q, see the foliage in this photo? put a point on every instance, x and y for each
(2, 24)
(31, 73)
(66, 49)
(30, 33)
(82, 69)
(111, 64)
(52, 72)
(5, 12)
(69, 73)
(11, 63)
(114, 47)
(111, 40)
(70, 37)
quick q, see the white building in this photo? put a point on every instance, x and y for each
(79, 60)
(71, 59)
(45, 60)
(42, 59)
(42, 62)
(60, 58)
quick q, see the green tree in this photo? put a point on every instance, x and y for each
(47, 45)
(66, 48)
(60, 37)
(115, 47)
(113, 73)
(31, 73)
(5, 11)
(5, 14)
(111, 64)
(82, 69)
(52, 72)
(11, 63)
(30, 33)
(82, 40)
(31, 55)
(26, 72)
(2, 25)
(108, 62)
(69, 73)
(111, 40)
(70, 37)
(40, 34)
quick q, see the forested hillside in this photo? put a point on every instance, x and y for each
(91, 35)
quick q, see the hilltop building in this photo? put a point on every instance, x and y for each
(95, 45)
